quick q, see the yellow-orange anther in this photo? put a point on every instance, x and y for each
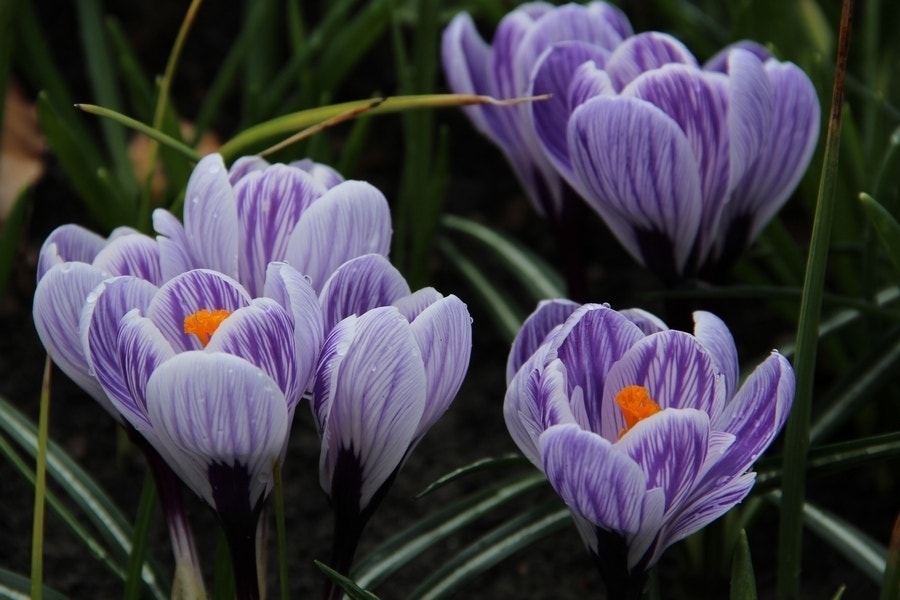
(204, 322)
(636, 404)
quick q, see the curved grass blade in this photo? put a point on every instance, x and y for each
(18, 587)
(492, 548)
(535, 275)
(40, 486)
(96, 505)
(145, 511)
(743, 582)
(886, 225)
(352, 589)
(407, 545)
(513, 458)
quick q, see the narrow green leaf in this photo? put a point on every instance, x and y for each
(483, 464)
(492, 548)
(40, 487)
(18, 587)
(743, 582)
(886, 225)
(10, 234)
(409, 544)
(145, 510)
(223, 577)
(350, 588)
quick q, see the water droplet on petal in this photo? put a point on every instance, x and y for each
(91, 298)
(195, 200)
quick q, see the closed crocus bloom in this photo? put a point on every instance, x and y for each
(237, 222)
(504, 70)
(686, 164)
(384, 378)
(641, 430)
(211, 377)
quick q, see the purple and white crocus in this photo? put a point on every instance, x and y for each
(685, 164)
(237, 221)
(641, 430)
(389, 369)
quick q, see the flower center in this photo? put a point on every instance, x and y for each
(204, 323)
(636, 405)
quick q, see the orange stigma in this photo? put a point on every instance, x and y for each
(204, 323)
(636, 405)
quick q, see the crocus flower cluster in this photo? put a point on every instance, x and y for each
(641, 430)
(685, 163)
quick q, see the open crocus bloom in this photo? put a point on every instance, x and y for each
(641, 430)
(238, 222)
(504, 70)
(686, 164)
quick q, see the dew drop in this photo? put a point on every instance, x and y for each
(92, 297)
(195, 200)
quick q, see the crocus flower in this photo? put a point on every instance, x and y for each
(211, 377)
(685, 164)
(641, 430)
(236, 222)
(504, 70)
(385, 376)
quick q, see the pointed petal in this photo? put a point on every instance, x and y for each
(359, 285)
(644, 52)
(443, 333)
(599, 483)
(651, 522)
(220, 409)
(677, 372)
(321, 173)
(719, 62)
(670, 447)
(749, 112)
(261, 334)
(350, 220)
(289, 288)
(411, 306)
(547, 315)
(210, 217)
(244, 166)
(200, 289)
(646, 321)
(99, 324)
(466, 58)
(174, 249)
(269, 205)
(59, 299)
(135, 254)
(637, 169)
(378, 398)
(715, 336)
(68, 243)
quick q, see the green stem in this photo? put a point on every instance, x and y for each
(40, 488)
(797, 432)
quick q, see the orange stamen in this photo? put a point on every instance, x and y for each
(204, 323)
(636, 405)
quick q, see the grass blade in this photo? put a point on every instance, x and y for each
(40, 488)
(743, 582)
(18, 587)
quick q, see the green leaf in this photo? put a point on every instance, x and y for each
(483, 464)
(350, 588)
(743, 582)
(18, 587)
(10, 234)
(155, 134)
(145, 511)
(886, 225)
(492, 548)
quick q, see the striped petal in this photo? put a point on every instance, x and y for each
(412, 305)
(466, 58)
(644, 52)
(324, 175)
(548, 315)
(136, 255)
(712, 332)
(361, 284)
(174, 249)
(68, 243)
(210, 217)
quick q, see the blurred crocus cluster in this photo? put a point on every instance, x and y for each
(204, 340)
(685, 163)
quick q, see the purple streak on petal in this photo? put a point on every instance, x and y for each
(289, 288)
(712, 332)
(644, 52)
(652, 521)
(68, 243)
(411, 306)
(220, 409)
(703, 511)
(136, 255)
(359, 285)
(646, 321)
(59, 299)
(671, 448)
(245, 165)
(553, 75)
(537, 399)
(269, 205)
(99, 326)
(350, 220)
(749, 112)
(547, 315)
(638, 171)
(188, 293)
(174, 249)
(321, 173)
(757, 413)
(378, 398)
(466, 58)
(588, 81)
(719, 62)
(210, 217)
(443, 333)
(589, 344)
(141, 350)
(334, 350)
(595, 480)
(677, 372)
